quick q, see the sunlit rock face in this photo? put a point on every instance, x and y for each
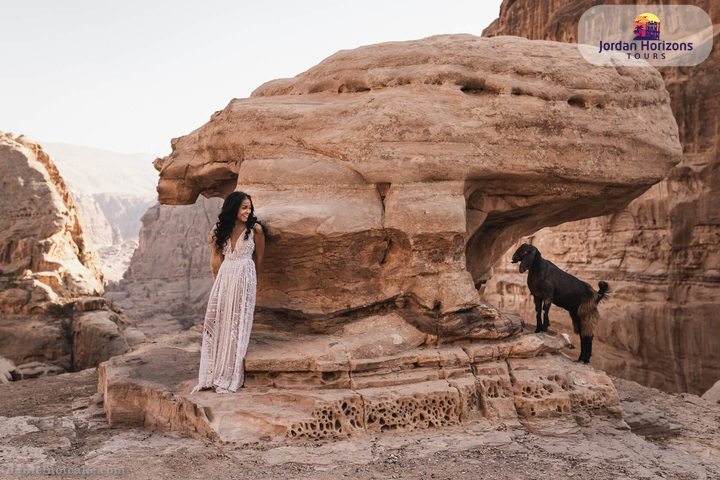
(661, 254)
(45, 251)
(399, 173)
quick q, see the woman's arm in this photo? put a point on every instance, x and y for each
(216, 258)
(259, 246)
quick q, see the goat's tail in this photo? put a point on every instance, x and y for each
(588, 312)
(603, 293)
(589, 317)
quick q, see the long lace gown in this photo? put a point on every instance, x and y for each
(229, 318)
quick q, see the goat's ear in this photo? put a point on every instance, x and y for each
(526, 261)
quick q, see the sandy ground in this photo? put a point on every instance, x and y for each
(45, 423)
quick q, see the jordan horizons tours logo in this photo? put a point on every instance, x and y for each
(646, 29)
(645, 35)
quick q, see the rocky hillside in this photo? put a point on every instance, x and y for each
(45, 252)
(661, 253)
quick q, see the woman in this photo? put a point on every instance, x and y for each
(236, 238)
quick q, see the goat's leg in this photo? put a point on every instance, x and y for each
(586, 352)
(538, 311)
(546, 308)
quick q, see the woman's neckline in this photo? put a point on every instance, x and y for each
(232, 248)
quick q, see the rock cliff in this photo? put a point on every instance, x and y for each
(168, 281)
(661, 253)
(45, 252)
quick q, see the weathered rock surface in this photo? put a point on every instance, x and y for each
(73, 337)
(45, 252)
(713, 394)
(403, 170)
(168, 281)
(332, 386)
(8, 371)
(661, 254)
(96, 224)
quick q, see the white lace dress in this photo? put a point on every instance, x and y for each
(229, 318)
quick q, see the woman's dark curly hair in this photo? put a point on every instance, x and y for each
(228, 216)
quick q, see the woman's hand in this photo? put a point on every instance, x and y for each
(259, 246)
(216, 258)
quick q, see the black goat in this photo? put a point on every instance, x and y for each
(548, 284)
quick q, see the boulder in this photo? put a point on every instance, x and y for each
(97, 336)
(713, 394)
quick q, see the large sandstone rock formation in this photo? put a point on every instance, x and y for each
(45, 252)
(400, 172)
(168, 281)
(391, 178)
(660, 254)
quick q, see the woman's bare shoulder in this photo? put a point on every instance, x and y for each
(257, 229)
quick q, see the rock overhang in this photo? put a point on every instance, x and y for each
(405, 169)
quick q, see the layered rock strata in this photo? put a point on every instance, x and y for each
(660, 254)
(45, 252)
(359, 381)
(403, 170)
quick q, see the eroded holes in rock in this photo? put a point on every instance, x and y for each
(476, 87)
(559, 408)
(338, 427)
(352, 87)
(344, 406)
(515, 91)
(577, 102)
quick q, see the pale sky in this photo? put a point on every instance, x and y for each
(128, 75)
